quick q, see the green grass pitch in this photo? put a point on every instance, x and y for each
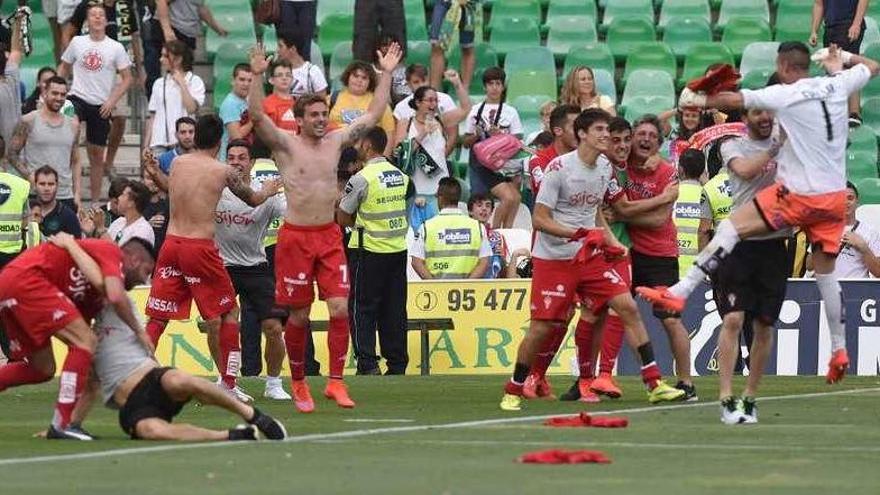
(812, 438)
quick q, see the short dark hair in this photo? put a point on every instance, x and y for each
(419, 95)
(141, 243)
(377, 138)
(240, 67)
(850, 185)
(140, 195)
(180, 49)
(650, 119)
(478, 197)
(693, 163)
(57, 80)
(795, 53)
(46, 170)
(449, 191)
(587, 118)
(184, 120)
(292, 38)
(416, 70)
(494, 74)
(44, 70)
(299, 108)
(117, 187)
(209, 131)
(359, 65)
(279, 62)
(559, 115)
(238, 143)
(619, 124)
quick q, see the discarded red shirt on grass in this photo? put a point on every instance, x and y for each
(556, 456)
(584, 419)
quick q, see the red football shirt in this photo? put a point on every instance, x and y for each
(60, 270)
(662, 241)
(280, 111)
(538, 165)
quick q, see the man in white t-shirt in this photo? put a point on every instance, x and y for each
(860, 245)
(94, 60)
(131, 223)
(811, 179)
(307, 77)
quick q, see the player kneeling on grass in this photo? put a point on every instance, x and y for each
(149, 396)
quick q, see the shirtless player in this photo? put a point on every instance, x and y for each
(189, 265)
(310, 243)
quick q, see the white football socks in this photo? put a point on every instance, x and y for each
(832, 295)
(724, 241)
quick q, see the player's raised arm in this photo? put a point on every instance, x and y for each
(236, 181)
(267, 131)
(387, 62)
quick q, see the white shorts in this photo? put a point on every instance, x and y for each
(66, 9)
(50, 8)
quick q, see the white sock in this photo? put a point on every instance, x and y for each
(273, 381)
(725, 239)
(832, 295)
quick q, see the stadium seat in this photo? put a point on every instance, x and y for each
(741, 31)
(869, 214)
(486, 57)
(873, 10)
(566, 32)
(593, 55)
(869, 191)
(860, 165)
(627, 9)
(871, 113)
(528, 107)
(871, 89)
(760, 55)
(228, 54)
(701, 56)
(566, 8)
(513, 35)
(683, 32)
(339, 60)
(654, 56)
(628, 34)
(742, 8)
(418, 52)
(605, 83)
(529, 58)
(647, 91)
(756, 79)
(531, 82)
(503, 12)
(28, 76)
(416, 28)
(336, 28)
(862, 139)
(872, 33)
(683, 9)
(327, 8)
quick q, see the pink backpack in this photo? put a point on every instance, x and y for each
(495, 151)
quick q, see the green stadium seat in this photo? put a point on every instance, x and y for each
(860, 165)
(873, 10)
(628, 34)
(627, 9)
(486, 58)
(871, 89)
(416, 28)
(593, 55)
(742, 8)
(502, 12)
(683, 32)
(566, 32)
(228, 54)
(756, 79)
(418, 52)
(529, 58)
(684, 9)
(28, 76)
(794, 27)
(869, 191)
(327, 8)
(605, 83)
(240, 28)
(566, 8)
(531, 82)
(647, 91)
(760, 55)
(529, 109)
(339, 60)
(653, 56)
(872, 33)
(862, 139)
(335, 29)
(701, 56)
(741, 31)
(871, 113)
(514, 35)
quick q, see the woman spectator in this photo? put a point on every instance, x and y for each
(352, 101)
(426, 133)
(179, 93)
(579, 89)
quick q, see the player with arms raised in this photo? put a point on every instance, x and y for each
(310, 246)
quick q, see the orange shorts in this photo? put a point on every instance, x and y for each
(821, 216)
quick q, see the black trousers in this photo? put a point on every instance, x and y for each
(374, 19)
(299, 16)
(378, 302)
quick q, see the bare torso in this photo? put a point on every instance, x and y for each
(194, 188)
(308, 169)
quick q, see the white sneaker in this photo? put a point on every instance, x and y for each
(732, 411)
(750, 411)
(237, 393)
(275, 391)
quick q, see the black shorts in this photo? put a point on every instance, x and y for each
(839, 35)
(97, 127)
(256, 285)
(651, 271)
(483, 180)
(753, 278)
(148, 400)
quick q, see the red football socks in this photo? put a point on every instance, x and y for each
(612, 339)
(295, 342)
(337, 345)
(583, 339)
(154, 329)
(74, 376)
(651, 374)
(230, 353)
(549, 349)
(20, 373)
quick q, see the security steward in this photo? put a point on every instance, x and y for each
(14, 213)
(374, 203)
(688, 211)
(717, 202)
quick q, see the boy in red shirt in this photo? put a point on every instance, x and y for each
(279, 105)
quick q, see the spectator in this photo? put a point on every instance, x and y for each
(457, 244)
(298, 16)
(466, 39)
(178, 94)
(157, 210)
(860, 244)
(425, 140)
(95, 60)
(359, 80)
(131, 205)
(844, 27)
(688, 210)
(373, 20)
(13, 217)
(544, 112)
(564, 141)
(234, 106)
(580, 89)
(416, 77)
(185, 133)
(307, 77)
(56, 216)
(10, 95)
(399, 87)
(50, 10)
(35, 100)
(48, 137)
(480, 208)
(278, 106)
(690, 121)
(490, 118)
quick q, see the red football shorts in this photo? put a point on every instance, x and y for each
(189, 269)
(557, 284)
(821, 216)
(306, 254)
(32, 310)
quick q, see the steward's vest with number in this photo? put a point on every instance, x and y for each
(687, 222)
(382, 214)
(452, 245)
(13, 199)
(265, 169)
(718, 193)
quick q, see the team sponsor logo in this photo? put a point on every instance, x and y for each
(227, 217)
(8, 303)
(58, 314)
(162, 305)
(92, 60)
(5, 193)
(168, 272)
(454, 236)
(391, 178)
(687, 211)
(585, 198)
(78, 285)
(548, 295)
(225, 300)
(192, 280)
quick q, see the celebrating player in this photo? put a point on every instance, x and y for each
(189, 265)
(810, 191)
(310, 243)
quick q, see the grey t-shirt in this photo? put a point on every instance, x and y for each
(241, 228)
(119, 352)
(185, 16)
(574, 192)
(10, 103)
(51, 145)
(742, 190)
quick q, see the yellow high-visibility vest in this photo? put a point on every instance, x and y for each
(13, 203)
(265, 169)
(382, 214)
(452, 245)
(717, 191)
(687, 222)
